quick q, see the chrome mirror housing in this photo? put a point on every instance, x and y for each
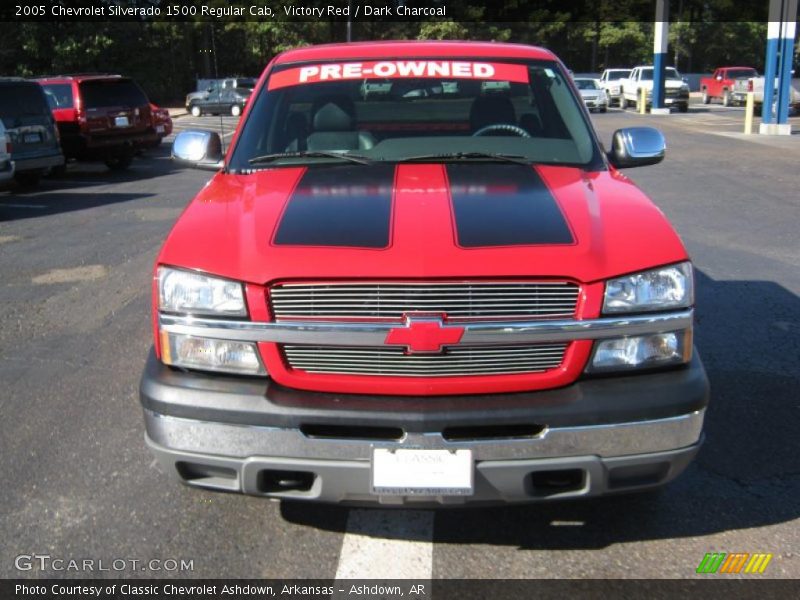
(199, 149)
(637, 147)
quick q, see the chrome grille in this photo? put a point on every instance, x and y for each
(458, 300)
(475, 360)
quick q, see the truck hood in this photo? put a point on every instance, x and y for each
(464, 220)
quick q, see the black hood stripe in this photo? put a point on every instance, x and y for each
(348, 205)
(504, 205)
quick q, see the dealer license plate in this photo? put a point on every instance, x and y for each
(32, 138)
(121, 122)
(422, 472)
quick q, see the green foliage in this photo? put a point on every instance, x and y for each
(166, 57)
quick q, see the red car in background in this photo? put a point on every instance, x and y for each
(162, 123)
(101, 117)
(720, 84)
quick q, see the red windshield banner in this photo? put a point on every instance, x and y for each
(399, 69)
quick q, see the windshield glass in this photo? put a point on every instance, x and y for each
(738, 73)
(59, 95)
(414, 108)
(20, 99)
(112, 92)
(615, 75)
(669, 73)
(586, 84)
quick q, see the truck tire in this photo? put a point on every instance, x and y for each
(683, 107)
(706, 97)
(195, 110)
(726, 98)
(28, 179)
(120, 161)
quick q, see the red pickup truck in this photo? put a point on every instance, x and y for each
(447, 294)
(720, 84)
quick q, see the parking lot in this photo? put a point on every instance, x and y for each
(75, 268)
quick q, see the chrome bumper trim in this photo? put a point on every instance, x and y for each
(477, 333)
(618, 439)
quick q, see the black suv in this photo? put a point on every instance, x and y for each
(30, 128)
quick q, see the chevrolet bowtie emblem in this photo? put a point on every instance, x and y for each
(422, 334)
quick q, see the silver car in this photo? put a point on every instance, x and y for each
(594, 96)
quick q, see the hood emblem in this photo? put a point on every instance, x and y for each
(424, 335)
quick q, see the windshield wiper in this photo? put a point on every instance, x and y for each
(513, 158)
(267, 158)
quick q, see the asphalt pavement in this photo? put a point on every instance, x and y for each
(78, 481)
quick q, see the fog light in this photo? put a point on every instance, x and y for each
(210, 354)
(653, 350)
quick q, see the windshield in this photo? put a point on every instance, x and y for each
(59, 95)
(739, 73)
(21, 99)
(586, 84)
(615, 75)
(112, 92)
(669, 73)
(415, 108)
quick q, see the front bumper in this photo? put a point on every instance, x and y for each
(38, 162)
(6, 170)
(597, 435)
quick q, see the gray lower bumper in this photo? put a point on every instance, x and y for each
(562, 462)
(38, 163)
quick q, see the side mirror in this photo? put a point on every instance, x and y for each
(199, 149)
(637, 147)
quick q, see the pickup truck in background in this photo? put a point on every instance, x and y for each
(720, 84)
(609, 81)
(676, 90)
(756, 85)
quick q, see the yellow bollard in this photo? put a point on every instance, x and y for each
(749, 109)
(643, 101)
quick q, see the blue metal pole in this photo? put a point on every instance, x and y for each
(785, 68)
(769, 71)
(660, 43)
(776, 18)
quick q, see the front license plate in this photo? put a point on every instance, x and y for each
(121, 122)
(159, 129)
(32, 138)
(422, 472)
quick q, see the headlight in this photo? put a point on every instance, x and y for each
(209, 354)
(658, 289)
(641, 352)
(195, 293)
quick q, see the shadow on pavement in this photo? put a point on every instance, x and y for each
(747, 474)
(13, 208)
(76, 189)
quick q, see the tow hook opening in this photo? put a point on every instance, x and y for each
(542, 484)
(271, 481)
(205, 475)
(351, 432)
(492, 432)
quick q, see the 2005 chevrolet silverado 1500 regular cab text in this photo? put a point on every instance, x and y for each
(443, 297)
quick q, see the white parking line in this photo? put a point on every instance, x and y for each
(387, 544)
